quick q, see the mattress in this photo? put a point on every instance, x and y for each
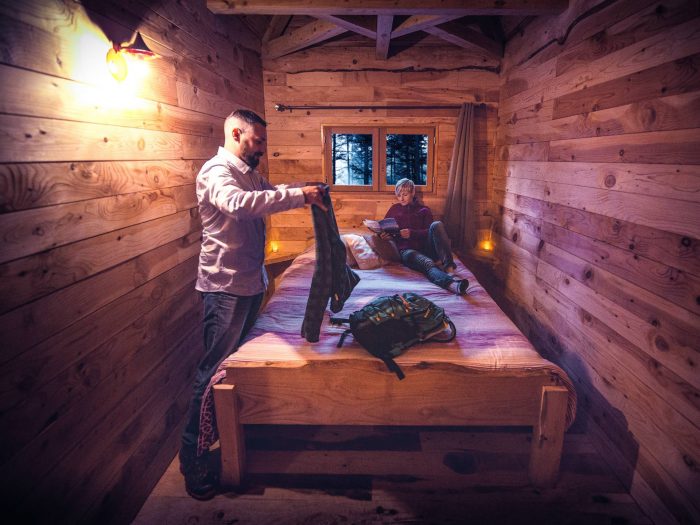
(487, 341)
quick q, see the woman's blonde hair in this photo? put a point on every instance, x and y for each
(404, 183)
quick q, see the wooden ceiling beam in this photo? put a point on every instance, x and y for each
(466, 38)
(276, 27)
(355, 24)
(305, 36)
(418, 22)
(384, 25)
(387, 7)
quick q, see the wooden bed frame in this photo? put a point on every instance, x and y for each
(357, 390)
(490, 375)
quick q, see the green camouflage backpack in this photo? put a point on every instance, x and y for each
(388, 325)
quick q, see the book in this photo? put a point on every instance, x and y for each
(389, 226)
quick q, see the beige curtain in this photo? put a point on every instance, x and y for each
(460, 186)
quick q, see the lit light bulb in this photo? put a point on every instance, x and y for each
(117, 64)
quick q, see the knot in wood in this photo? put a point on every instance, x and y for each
(648, 117)
(661, 343)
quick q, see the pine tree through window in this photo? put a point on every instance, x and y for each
(406, 156)
(374, 159)
(352, 159)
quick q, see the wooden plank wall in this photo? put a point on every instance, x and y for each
(100, 237)
(597, 179)
(351, 75)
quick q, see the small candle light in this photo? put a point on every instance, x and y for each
(486, 243)
(487, 246)
(274, 247)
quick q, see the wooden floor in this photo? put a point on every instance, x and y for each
(390, 475)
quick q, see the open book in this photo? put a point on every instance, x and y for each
(389, 226)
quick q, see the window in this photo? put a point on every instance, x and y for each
(374, 159)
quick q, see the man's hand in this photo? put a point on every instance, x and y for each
(313, 195)
(405, 233)
(386, 236)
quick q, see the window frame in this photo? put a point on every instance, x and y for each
(328, 161)
(379, 160)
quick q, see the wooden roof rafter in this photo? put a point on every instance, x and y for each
(276, 27)
(387, 7)
(384, 25)
(467, 38)
(419, 23)
(356, 24)
(470, 25)
(312, 33)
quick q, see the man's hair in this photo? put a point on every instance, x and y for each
(404, 183)
(247, 116)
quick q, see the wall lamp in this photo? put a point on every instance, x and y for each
(116, 61)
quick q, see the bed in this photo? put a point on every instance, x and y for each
(489, 375)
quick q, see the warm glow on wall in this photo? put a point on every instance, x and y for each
(101, 84)
(115, 83)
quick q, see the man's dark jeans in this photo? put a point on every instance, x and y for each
(437, 247)
(227, 320)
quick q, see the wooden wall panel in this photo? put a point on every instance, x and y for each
(100, 237)
(597, 183)
(351, 76)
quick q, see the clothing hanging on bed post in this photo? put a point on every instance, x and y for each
(332, 279)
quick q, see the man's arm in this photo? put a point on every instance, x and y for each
(230, 198)
(313, 194)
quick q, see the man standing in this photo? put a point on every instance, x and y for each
(233, 201)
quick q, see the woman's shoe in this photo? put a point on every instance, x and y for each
(459, 286)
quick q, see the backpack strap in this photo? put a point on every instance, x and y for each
(339, 320)
(392, 365)
(342, 337)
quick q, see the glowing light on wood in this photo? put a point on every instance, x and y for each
(101, 87)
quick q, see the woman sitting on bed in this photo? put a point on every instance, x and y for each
(421, 240)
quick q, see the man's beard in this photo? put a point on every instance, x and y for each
(252, 159)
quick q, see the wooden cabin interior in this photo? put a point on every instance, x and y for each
(586, 217)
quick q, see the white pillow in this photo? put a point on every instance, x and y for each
(366, 258)
(349, 259)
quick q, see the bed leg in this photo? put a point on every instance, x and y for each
(230, 434)
(548, 437)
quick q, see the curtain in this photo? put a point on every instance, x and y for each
(459, 211)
